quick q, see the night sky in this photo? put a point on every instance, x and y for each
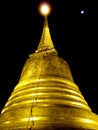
(74, 31)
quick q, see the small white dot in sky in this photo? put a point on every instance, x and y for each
(82, 11)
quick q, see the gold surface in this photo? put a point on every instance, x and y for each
(46, 97)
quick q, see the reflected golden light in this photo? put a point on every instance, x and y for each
(44, 8)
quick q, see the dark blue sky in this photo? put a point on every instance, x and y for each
(74, 36)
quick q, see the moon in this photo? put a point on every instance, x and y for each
(82, 11)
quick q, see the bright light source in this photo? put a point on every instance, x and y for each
(82, 12)
(45, 8)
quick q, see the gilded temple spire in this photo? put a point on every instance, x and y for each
(46, 96)
(46, 42)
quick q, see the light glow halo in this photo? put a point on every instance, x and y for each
(44, 8)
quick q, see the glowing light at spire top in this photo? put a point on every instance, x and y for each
(44, 8)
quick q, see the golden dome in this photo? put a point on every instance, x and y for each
(46, 97)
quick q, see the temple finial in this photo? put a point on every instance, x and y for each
(45, 41)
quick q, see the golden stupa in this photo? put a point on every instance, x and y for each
(46, 97)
